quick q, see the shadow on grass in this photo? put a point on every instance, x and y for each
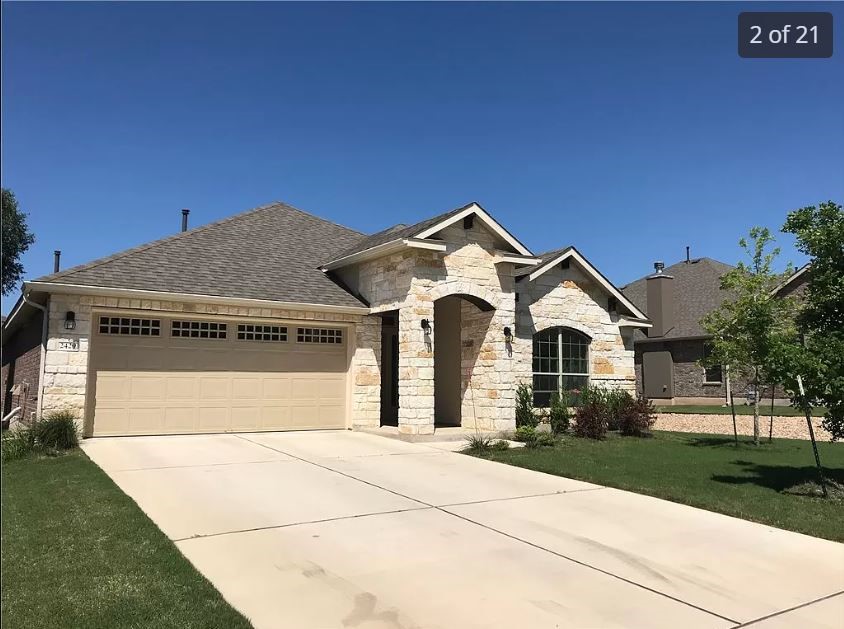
(722, 440)
(782, 478)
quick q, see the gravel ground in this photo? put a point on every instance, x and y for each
(784, 427)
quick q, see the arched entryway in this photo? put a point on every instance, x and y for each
(461, 324)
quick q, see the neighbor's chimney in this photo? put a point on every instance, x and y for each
(660, 291)
(57, 259)
(185, 213)
(688, 255)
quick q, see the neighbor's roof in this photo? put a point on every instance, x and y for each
(270, 253)
(697, 291)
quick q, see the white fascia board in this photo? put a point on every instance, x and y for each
(382, 250)
(490, 222)
(505, 256)
(627, 322)
(133, 293)
(594, 274)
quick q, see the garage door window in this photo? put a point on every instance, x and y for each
(249, 332)
(131, 327)
(198, 329)
(319, 335)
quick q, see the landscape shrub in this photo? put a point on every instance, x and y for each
(525, 434)
(637, 417)
(590, 419)
(558, 413)
(542, 439)
(481, 444)
(18, 442)
(524, 406)
(55, 431)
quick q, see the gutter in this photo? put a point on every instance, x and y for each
(383, 249)
(133, 293)
(45, 322)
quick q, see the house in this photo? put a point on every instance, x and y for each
(276, 319)
(668, 355)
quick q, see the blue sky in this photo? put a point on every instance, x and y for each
(628, 130)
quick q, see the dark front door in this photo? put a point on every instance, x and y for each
(389, 369)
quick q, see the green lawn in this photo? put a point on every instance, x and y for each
(78, 552)
(741, 409)
(771, 483)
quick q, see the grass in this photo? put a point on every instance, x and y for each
(772, 483)
(741, 409)
(78, 552)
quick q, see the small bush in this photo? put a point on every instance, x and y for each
(636, 418)
(57, 430)
(18, 442)
(480, 444)
(525, 434)
(590, 420)
(524, 407)
(558, 414)
(540, 440)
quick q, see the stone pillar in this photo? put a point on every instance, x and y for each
(366, 366)
(416, 370)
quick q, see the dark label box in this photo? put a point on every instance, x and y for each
(785, 35)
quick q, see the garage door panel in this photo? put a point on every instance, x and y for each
(167, 385)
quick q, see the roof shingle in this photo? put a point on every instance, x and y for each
(271, 252)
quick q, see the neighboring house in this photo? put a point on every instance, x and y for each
(668, 368)
(795, 285)
(276, 319)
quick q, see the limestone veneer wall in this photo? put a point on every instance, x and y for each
(568, 298)
(66, 370)
(410, 282)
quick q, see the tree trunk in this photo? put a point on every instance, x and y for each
(756, 408)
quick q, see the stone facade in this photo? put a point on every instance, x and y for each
(568, 298)
(406, 285)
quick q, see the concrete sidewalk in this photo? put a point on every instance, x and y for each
(343, 529)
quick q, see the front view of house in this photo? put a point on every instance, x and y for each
(275, 319)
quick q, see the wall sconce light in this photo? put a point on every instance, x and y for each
(69, 320)
(508, 334)
(426, 326)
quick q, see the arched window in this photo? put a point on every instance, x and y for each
(560, 363)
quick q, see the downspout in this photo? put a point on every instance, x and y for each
(45, 322)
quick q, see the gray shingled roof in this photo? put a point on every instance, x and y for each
(271, 252)
(697, 291)
(396, 232)
(545, 257)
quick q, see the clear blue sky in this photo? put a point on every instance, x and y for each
(628, 130)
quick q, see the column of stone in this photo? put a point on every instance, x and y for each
(416, 369)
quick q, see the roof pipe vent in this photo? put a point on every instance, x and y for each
(185, 213)
(688, 255)
(659, 266)
(57, 260)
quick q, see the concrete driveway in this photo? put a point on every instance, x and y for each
(342, 529)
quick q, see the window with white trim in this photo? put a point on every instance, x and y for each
(560, 363)
(198, 329)
(253, 332)
(319, 335)
(130, 326)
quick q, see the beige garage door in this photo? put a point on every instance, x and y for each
(162, 375)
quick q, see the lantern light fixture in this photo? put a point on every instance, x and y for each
(426, 326)
(508, 334)
(69, 320)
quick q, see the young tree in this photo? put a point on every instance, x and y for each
(820, 358)
(749, 329)
(16, 240)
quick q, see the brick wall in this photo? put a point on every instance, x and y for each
(22, 366)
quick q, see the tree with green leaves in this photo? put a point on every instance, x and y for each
(16, 240)
(819, 359)
(750, 328)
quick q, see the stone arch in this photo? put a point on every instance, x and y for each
(536, 328)
(484, 298)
